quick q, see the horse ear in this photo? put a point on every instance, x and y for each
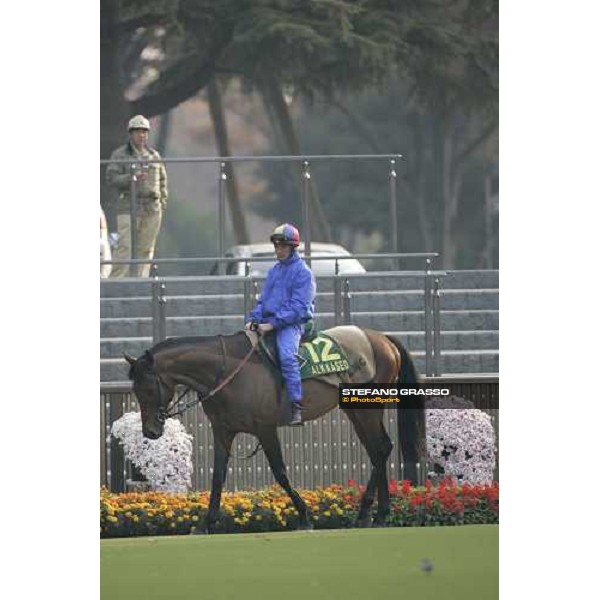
(129, 358)
(149, 358)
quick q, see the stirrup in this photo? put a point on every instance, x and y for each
(296, 420)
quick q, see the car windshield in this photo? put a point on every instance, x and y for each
(319, 267)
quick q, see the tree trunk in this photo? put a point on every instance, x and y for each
(451, 187)
(419, 185)
(164, 130)
(215, 104)
(113, 106)
(412, 185)
(284, 126)
(452, 178)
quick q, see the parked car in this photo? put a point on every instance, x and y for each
(105, 253)
(318, 249)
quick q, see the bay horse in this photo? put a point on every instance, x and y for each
(239, 394)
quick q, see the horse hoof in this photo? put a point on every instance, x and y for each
(200, 531)
(377, 523)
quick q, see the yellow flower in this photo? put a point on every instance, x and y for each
(169, 514)
(112, 519)
(195, 518)
(327, 513)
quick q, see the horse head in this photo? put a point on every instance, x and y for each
(152, 393)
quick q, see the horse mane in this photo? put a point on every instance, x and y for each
(181, 341)
(175, 342)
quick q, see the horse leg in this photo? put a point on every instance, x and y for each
(362, 519)
(411, 419)
(272, 449)
(383, 491)
(372, 434)
(223, 440)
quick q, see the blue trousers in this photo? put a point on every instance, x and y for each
(288, 341)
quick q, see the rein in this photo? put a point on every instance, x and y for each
(165, 413)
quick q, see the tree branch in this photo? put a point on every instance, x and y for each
(178, 83)
(359, 125)
(148, 20)
(470, 149)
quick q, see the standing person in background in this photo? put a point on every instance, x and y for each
(150, 180)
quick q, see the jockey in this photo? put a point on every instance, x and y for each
(287, 302)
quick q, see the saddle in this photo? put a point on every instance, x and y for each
(338, 355)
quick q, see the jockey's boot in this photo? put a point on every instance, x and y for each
(296, 420)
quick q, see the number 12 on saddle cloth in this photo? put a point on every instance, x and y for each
(321, 356)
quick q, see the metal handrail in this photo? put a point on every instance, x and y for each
(247, 158)
(218, 259)
(303, 160)
(341, 303)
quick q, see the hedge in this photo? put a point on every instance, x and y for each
(332, 507)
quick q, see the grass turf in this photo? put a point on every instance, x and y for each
(339, 564)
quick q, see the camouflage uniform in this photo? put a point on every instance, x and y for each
(151, 200)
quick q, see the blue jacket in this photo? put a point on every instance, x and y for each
(288, 296)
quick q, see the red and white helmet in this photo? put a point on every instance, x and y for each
(286, 234)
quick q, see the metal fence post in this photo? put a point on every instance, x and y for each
(117, 457)
(436, 327)
(133, 268)
(221, 211)
(428, 324)
(305, 209)
(336, 294)
(162, 313)
(346, 296)
(248, 303)
(107, 443)
(394, 211)
(155, 305)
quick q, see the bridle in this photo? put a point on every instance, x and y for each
(178, 407)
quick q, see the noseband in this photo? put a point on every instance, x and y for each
(167, 411)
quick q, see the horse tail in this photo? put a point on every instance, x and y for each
(411, 416)
(408, 372)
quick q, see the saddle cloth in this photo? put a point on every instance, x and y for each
(352, 361)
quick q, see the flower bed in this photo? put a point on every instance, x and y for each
(333, 507)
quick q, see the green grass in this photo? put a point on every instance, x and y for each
(373, 564)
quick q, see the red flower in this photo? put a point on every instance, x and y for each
(416, 500)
